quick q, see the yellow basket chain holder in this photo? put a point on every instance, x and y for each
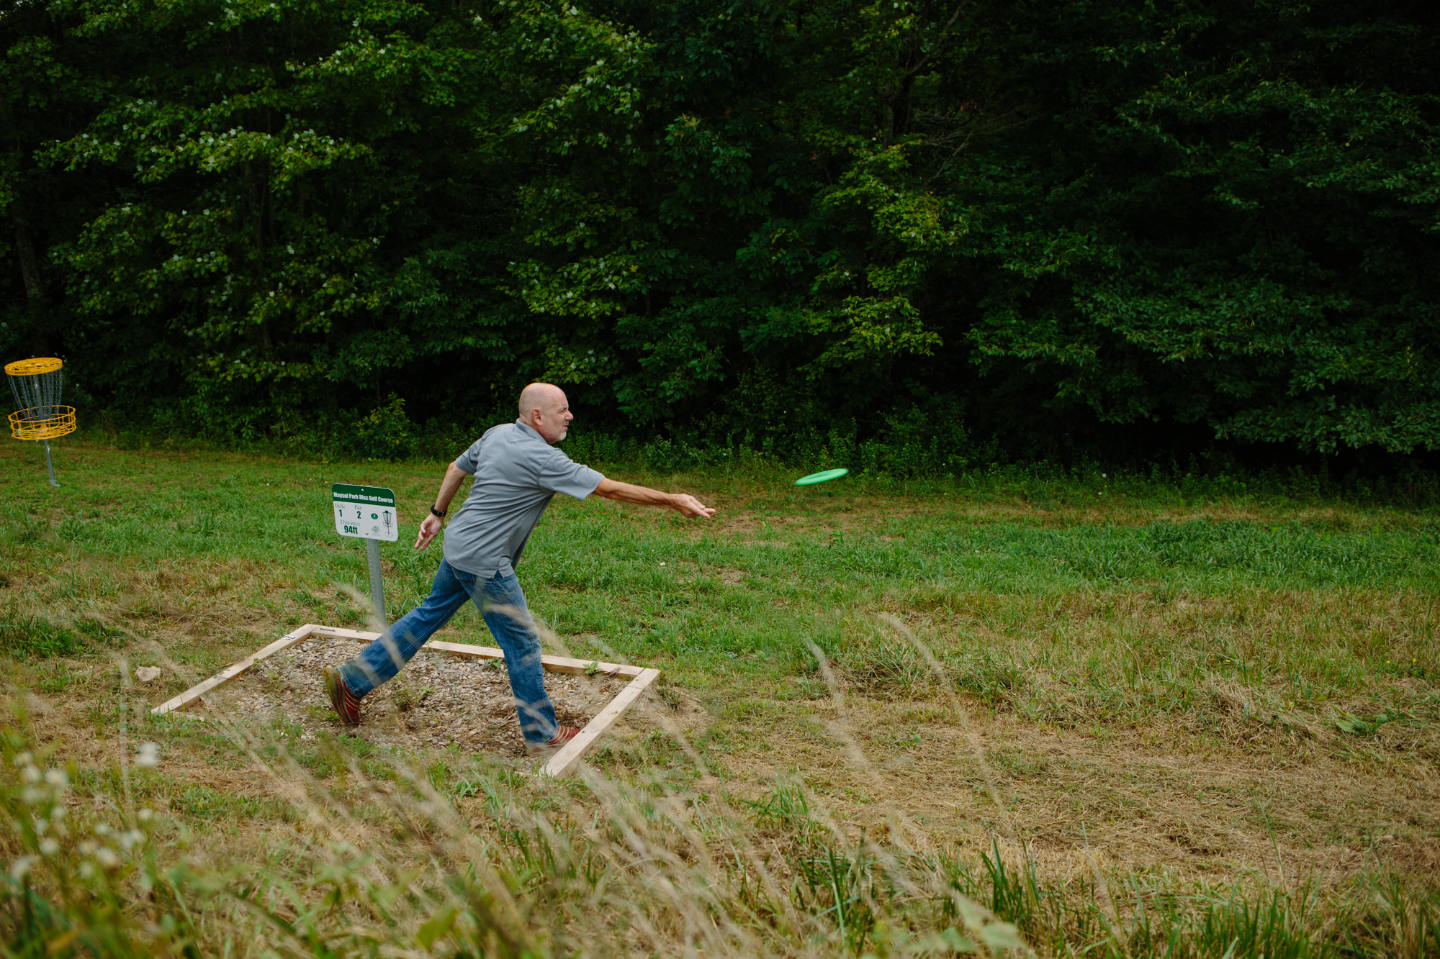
(36, 384)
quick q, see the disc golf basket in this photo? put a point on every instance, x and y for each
(36, 385)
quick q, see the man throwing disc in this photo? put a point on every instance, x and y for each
(517, 469)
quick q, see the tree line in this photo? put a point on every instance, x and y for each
(1033, 225)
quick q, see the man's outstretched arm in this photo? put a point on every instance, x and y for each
(682, 503)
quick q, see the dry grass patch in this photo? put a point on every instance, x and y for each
(1142, 801)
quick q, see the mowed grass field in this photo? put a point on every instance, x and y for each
(997, 715)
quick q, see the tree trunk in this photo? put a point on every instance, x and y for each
(30, 268)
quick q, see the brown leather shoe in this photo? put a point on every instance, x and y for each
(563, 734)
(346, 703)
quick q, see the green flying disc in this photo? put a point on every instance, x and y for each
(823, 477)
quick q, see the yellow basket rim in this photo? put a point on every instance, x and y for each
(57, 421)
(34, 366)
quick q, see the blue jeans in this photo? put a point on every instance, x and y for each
(502, 605)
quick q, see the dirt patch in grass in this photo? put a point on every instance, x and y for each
(439, 699)
(954, 775)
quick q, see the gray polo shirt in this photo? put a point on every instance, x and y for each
(516, 472)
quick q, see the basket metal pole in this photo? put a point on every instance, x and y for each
(50, 465)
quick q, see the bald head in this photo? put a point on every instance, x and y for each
(544, 407)
(538, 396)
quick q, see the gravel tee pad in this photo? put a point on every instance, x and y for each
(449, 693)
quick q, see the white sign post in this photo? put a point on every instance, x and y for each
(369, 513)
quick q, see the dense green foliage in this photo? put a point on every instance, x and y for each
(1014, 227)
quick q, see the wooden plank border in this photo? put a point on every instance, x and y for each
(569, 755)
(562, 762)
(230, 672)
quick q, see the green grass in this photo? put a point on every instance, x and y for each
(1101, 716)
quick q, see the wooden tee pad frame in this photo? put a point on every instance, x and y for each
(564, 759)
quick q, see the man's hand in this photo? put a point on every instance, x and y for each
(687, 505)
(430, 527)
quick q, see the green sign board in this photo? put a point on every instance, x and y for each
(365, 511)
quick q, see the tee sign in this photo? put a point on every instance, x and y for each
(365, 511)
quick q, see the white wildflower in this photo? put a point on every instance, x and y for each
(149, 755)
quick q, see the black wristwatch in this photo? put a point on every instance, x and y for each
(437, 512)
